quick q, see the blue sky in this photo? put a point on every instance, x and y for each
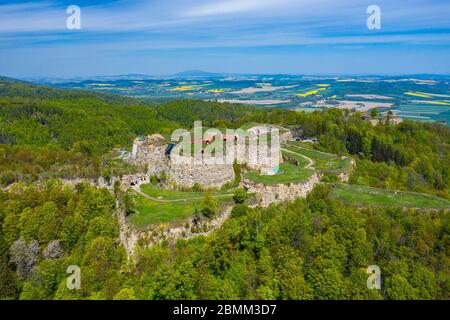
(248, 36)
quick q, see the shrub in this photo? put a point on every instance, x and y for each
(7, 178)
(239, 210)
(209, 207)
(240, 195)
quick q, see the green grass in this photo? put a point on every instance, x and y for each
(250, 125)
(302, 162)
(313, 154)
(164, 194)
(323, 161)
(289, 173)
(306, 145)
(368, 196)
(153, 212)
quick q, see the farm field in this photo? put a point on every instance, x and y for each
(375, 197)
(305, 93)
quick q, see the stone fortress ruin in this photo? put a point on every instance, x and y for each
(185, 168)
(192, 162)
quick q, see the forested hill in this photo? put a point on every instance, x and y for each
(94, 122)
(313, 248)
(46, 132)
(409, 156)
(12, 88)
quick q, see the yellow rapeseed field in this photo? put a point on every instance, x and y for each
(417, 94)
(216, 90)
(309, 93)
(184, 88)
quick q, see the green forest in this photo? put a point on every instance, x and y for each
(313, 248)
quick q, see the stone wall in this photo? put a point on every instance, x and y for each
(268, 194)
(182, 171)
(153, 156)
(185, 173)
(286, 137)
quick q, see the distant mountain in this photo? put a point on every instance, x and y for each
(7, 79)
(198, 74)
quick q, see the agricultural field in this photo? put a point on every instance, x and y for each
(362, 196)
(424, 98)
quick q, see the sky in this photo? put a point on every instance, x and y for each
(159, 37)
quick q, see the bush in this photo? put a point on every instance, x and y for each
(154, 180)
(209, 207)
(196, 187)
(164, 178)
(125, 294)
(239, 210)
(240, 195)
(7, 178)
(330, 177)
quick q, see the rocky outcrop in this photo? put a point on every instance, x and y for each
(194, 226)
(134, 179)
(268, 194)
(344, 176)
(128, 236)
(197, 225)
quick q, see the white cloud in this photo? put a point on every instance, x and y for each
(176, 23)
(25, 6)
(235, 6)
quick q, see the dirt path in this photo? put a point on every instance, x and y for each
(137, 189)
(311, 163)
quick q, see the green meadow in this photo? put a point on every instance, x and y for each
(362, 196)
(289, 173)
(169, 205)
